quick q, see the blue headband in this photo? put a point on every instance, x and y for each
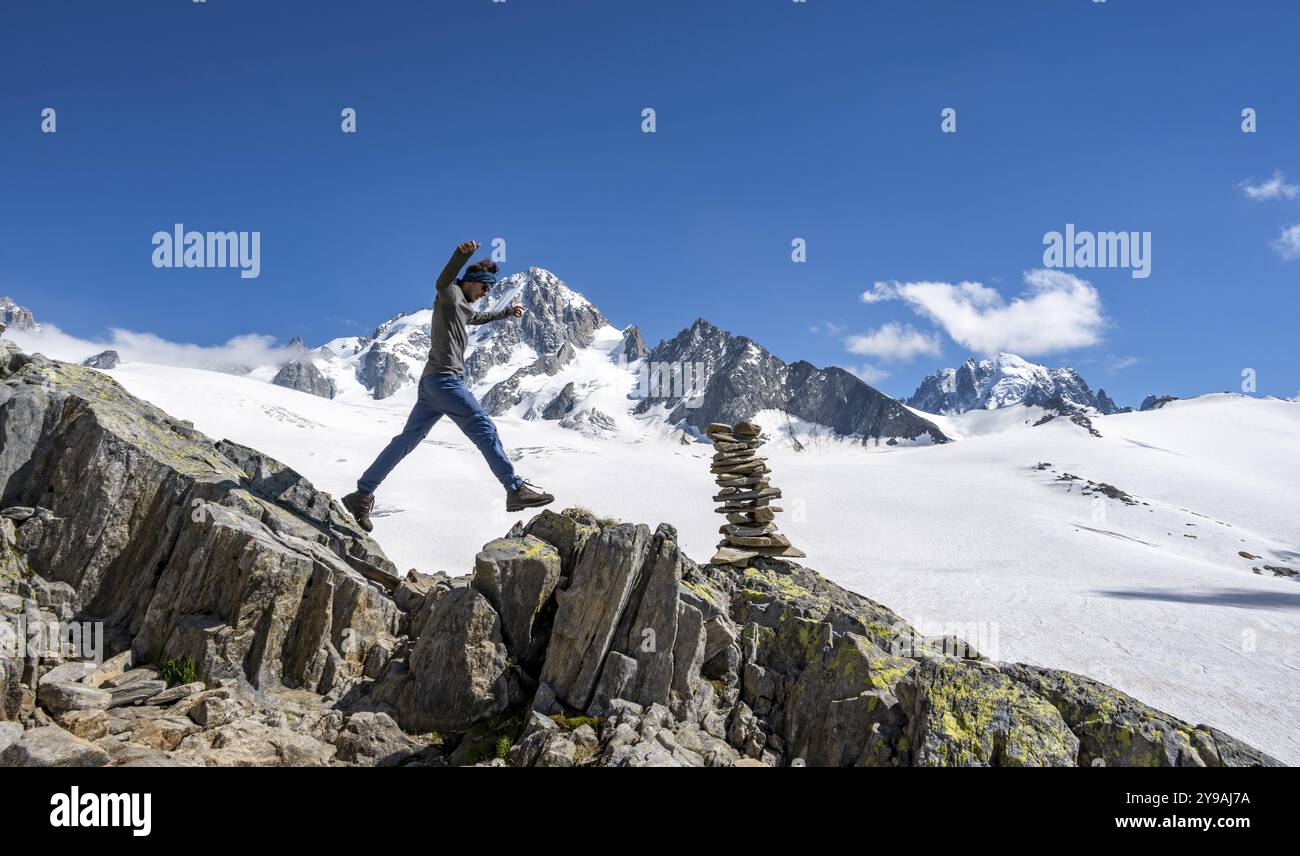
(479, 275)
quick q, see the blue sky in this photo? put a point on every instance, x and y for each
(775, 120)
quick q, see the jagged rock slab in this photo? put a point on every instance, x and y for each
(518, 575)
(647, 631)
(589, 608)
(61, 696)
(458, 673)
(567, 531)
(180, 549)
(52, 746)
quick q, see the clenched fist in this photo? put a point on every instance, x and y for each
(468, 247)
(515, 311)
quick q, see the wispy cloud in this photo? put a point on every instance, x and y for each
(1057, 312)
(242, 352)
(347, 322)
(1274, 188)
(1288, 243)
(1118, 364)
(869, 373)
(830, 328)
(894, 341)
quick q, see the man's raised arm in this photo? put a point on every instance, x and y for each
(459, 258)
(514, 310)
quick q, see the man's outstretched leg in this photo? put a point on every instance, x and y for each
(450, 395)
(422, 418)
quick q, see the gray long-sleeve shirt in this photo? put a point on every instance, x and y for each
(451, 313)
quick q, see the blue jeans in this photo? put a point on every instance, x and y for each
(443, 394)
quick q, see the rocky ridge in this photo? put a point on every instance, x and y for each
(733, 378)
(248, 622)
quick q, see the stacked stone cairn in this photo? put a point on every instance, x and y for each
(745, 495)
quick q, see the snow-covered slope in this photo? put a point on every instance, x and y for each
(998, 538)
(1004, 381)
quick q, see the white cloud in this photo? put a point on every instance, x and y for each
(1275, 188)
(830, 328)
(880, 291)
(1288, 243)
(242, 352)
(1118, 364)
(894, 341)
(869, 373)
(1057, 312)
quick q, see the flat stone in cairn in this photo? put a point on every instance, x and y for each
(745, 494)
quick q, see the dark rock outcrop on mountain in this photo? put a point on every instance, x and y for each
(505, 395)
(390, 357)
(1002, 382)
(561, 405)
(382, 373)
(1155, 402)
(553, 316)
(1107, 406)
(250, 624)
(705, 375)
(15, 317)
(303, 376)
(103, 360)
(1059, 406)
(632, 348)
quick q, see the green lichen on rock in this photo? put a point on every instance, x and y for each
(1115, 729)
(566, 531)
(839, 709)
(126, 417)
(771, 586)
(13, 565)
(964, 714)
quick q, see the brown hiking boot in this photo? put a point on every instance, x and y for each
(527, 496)
(359, 505)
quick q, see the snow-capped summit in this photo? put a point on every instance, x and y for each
(1004, 381)
(554, 315)
(391, 357)
(563, 360)
(15, 317)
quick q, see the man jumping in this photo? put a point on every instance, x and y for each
(443, 390)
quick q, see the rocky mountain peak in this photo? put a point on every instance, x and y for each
(733, 378)
(1003, 381)
(554, 315)
(15, 317)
